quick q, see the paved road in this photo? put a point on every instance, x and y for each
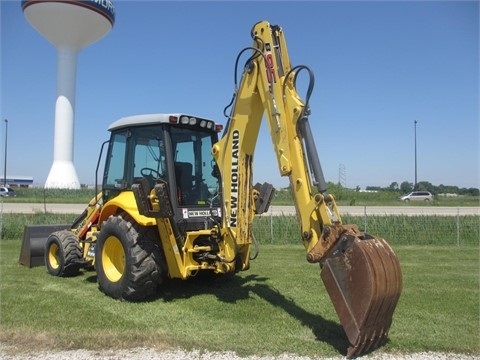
(274, 210)
(389, 210)
(30, 208)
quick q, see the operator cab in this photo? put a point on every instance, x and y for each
(171, 148)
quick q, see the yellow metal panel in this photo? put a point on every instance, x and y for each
(125, 201)
(173, 255)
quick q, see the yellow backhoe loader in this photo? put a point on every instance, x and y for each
(176, 200)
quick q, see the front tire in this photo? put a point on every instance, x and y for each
(63, 255)
(128, 260)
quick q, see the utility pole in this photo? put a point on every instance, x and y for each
(5, 163)
(342, 175)
(415, 135)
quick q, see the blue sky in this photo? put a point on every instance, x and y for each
(378, 65)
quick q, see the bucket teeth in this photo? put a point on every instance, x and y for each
(366, 344)
(364, 282)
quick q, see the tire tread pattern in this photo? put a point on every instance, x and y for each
(145, 265)
(70, 253)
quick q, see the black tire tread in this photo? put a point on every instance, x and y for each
(69, 249)
(145, 264)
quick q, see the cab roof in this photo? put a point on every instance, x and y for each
(149, 119)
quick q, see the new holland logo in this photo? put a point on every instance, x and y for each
(234, 179)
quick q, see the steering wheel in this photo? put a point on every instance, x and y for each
(149, 172)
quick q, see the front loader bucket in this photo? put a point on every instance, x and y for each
(35, 237)
(364, 282)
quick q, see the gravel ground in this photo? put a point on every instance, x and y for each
(8, 353)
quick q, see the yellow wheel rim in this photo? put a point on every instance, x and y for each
(113, 259)
(53, 256)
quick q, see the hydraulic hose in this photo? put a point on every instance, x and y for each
(312, 155)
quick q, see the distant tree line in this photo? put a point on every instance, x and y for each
(406, 187)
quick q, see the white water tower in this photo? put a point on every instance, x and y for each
(70, 26)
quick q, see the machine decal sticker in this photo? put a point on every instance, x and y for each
(234, 179)
(269, 65)
(198, 213)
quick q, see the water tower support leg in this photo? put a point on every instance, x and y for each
(63, 174)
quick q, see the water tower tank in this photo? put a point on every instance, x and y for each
(70, 26)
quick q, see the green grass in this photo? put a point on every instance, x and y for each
(396, 229)
(278, 306)
(282, 197)
(347, 197)
(51, 196)
(12, 225)
(282, 230)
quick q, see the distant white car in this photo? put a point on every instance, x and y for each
(6, 191)
(418, 195)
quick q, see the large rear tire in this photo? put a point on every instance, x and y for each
(63, 255)
(128, 259)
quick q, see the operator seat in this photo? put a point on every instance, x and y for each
(184, 178)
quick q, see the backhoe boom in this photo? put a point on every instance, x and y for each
(361, 273)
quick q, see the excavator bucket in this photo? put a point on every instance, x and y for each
(364, 282)
(32, 252)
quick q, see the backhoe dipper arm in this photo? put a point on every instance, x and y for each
(268, 87)
(360, 272)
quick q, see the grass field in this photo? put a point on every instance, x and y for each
(282, 197)
(278, 306)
